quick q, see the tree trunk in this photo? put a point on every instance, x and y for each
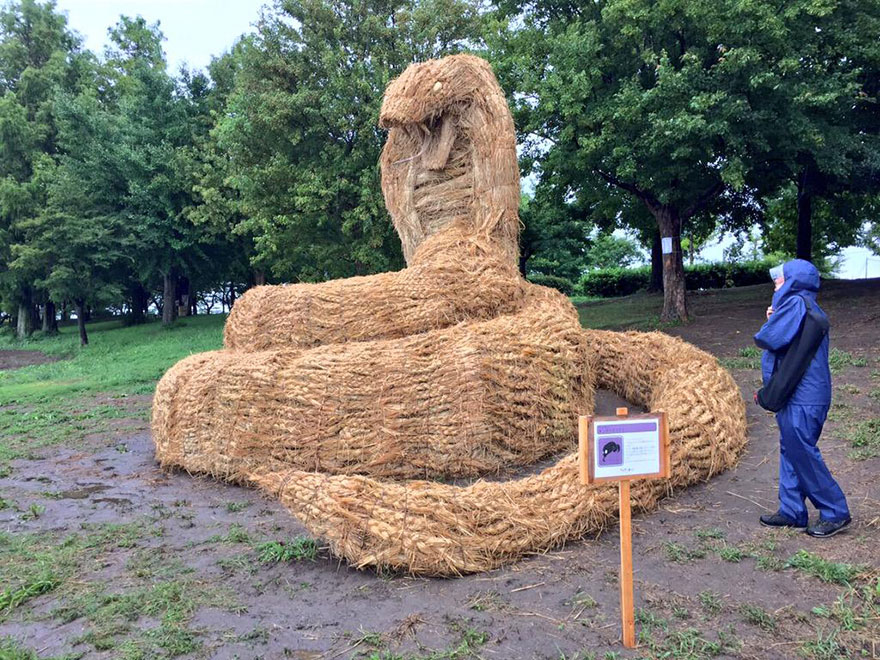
(691, 250)
(169, 302)
(50, 322)
(183, 295)
(259, 278)
(139, 301)
(231, 295)
(804, 248)
(674, 297)
(65, 312)
(24, 322)
(36, 319)
(656, 264)
(81, 322)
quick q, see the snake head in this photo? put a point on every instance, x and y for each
(450, 158)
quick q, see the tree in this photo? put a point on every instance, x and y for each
(610, 251)
(662, 101)
(38, 57)
(300, 128)
(160, 122)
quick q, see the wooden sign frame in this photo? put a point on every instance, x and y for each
(586, 468)
(586, 425)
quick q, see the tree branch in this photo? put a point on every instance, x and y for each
(650, 201)
(702, 200)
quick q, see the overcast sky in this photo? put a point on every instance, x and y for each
(194, 30)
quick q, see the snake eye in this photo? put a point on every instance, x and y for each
(438, 86)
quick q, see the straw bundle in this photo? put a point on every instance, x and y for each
(329, 395)
(469, 400)
(438, 529)
(450, 158)
(454, 277)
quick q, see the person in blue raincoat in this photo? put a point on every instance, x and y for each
(803, 474)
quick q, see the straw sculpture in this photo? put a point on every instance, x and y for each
(356, 401)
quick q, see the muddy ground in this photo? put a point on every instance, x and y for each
(709, 581)
(17, 359)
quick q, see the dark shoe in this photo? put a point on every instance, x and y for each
(779, 520)
(825, 528)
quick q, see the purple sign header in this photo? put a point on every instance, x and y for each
(639, 427)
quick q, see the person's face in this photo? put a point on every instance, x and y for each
(778, 282)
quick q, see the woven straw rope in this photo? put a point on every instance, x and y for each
(332, 395)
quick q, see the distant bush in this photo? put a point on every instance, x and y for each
(613, 282)
(562, 284)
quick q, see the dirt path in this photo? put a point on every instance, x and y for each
(709, 581)
(17, 359)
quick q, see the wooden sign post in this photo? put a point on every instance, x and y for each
(622, 449)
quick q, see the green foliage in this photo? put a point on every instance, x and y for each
(864, 438)
(300, 128)
(559, 283)
(126, 360)
(613, 282)
(273, 552)
(838, 359)
(748, 357)
(610, 251)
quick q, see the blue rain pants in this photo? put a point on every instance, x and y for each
(802, 472)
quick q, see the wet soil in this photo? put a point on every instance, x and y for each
(18, 359)
(691, 591)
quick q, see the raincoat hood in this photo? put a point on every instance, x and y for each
(801, 278)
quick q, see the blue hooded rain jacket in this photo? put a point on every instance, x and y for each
(801, 281)
(803, 474)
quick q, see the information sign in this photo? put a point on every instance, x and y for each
(622, 449)
(618, 448)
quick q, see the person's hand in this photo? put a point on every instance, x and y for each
(769, 311)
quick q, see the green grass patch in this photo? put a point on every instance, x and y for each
(300, 548)
(748, 357)
(640, 311)
(123, 360)
(11, 649)
(681, 554)
(838, 360)
(710, 602)
(692, 644)
(824, 647)
(827, 571)
(864, 438)
(757, 616)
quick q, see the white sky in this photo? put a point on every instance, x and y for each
(195, 30)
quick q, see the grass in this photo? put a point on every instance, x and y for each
(55, 403)
(748, 357)
(864, 438)
(640, 311)
(826, 571)
(838, 359)
(710, 602)
(300, 548)
(122, 360)
(757, 616)
(681, 554)
(10, 649)
(159, 588)
(824, 647)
